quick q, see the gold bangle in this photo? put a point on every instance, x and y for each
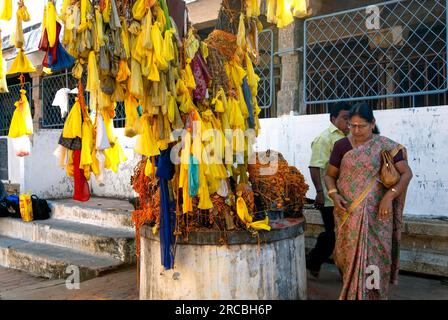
(332, 191)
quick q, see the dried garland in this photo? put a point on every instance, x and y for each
(283, 190)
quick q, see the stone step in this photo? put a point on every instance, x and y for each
(111, 242)
(102, 212)
(415, 261)
(424, 262)
(51, 261)
(417, 234)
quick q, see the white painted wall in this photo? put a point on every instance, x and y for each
(424, 131)
(40, 173)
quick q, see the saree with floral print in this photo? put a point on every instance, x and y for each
(367, 248)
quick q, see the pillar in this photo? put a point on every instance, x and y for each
(290, 96)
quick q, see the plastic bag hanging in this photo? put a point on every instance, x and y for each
(102, 141)
(21, 146)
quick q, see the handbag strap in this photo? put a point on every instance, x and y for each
(397, 149)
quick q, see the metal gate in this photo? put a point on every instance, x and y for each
(393, 49)
(51, 115)
(265, 69)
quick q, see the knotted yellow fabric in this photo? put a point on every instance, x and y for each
(157, 42)
(271, 11)
(86, 149)
(187, 203)
(131, 125)
(191, 45)
(93, 80)
(21, 122)
(168, 46)
(241, 36)
(139, 9)
(73, 124)
(300, 8)
(203, 193)
(50, 23)
(146, 142)
(284, 13)
(99, 27)
(123, 71)
(85, 9)
(220, 101)
(21, 64)
(247, 219)
(135, 83)
(252, 8)
(115, 154)
(5, 10)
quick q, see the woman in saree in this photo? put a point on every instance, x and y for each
(368, 216)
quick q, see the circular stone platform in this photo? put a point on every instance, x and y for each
(242, 269)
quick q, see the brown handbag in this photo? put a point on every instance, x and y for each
(389, 175)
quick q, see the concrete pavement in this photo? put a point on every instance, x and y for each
(122, 285)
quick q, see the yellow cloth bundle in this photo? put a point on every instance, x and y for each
(86, 148)
(220, 101)
(99, 27)
(203, 193)
(252, 8)
(241, 36)
(50, 23)
(135, 82)
(93, 80)
(146, 142)
(85, 9)
(271, 10)
(168, 45)
(5, 10)
(300, 9)
(139, 9)
(284, 13)
(146, 31)
(123, 71)
(107, 11)
(190, 82)
(21, 122)
(131, 125)
(157, 42)
(187, 204)
(125, 37)
(73, 124)
(191, 45)
(115, 154)
(23, 13)
(21, 64)
(252, 77)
